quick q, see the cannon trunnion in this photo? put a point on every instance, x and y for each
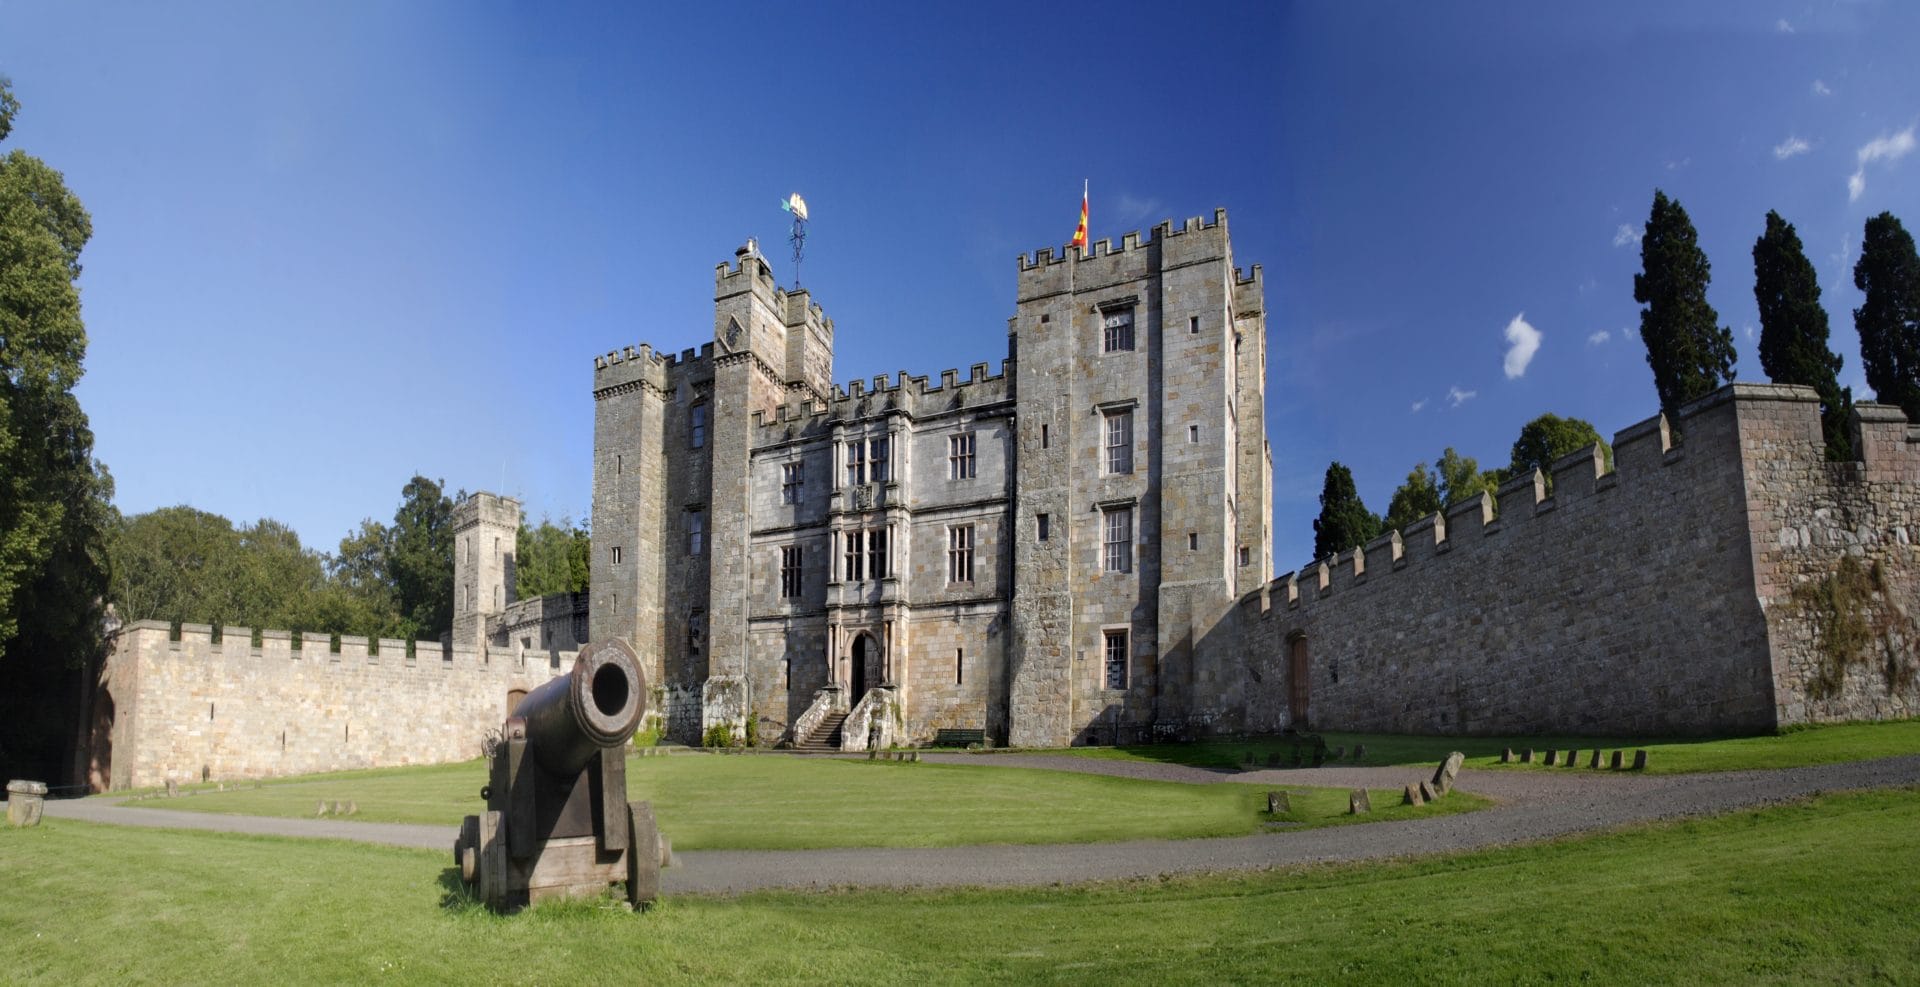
(558, 822)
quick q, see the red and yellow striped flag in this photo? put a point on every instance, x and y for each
(1080, 232)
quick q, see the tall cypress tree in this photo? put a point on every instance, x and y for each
(1690, 352)
(1793, 329)
(1889, 321)
(1344, 521)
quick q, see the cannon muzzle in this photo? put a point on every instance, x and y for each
(597, 705)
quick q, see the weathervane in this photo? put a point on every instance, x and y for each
(798, 235)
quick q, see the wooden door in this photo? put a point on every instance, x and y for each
(1298, 680)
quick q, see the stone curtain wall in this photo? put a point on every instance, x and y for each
(1622, 604)
(1846, 645)
(196, 708)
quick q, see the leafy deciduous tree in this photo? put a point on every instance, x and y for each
(1793, 329)
(1461, 478)
(1550, 437)
(1414, 499)
(420, 557)
(1690, 352)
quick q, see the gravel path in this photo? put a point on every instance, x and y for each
(1534, 805)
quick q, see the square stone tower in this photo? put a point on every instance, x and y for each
(486, 530)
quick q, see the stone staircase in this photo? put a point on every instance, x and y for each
(825, 738)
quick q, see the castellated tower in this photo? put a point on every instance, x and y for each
(1144, 474)
(486, 528)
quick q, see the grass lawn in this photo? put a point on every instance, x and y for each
(1794, 748)
(1805, 893)
(780, 803)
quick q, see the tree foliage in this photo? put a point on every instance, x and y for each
(180, 564)
(1344, 521)
(1889, 319)
(551, 558)
(54, 498)
(1460, 478)
(420, 557)
(1414, 499)
(1549, 437)
(1690, 352)
(1793, 329)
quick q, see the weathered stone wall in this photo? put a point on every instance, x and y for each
(541, 628)
(1655, 599)
(196, 708)
(1837, 568)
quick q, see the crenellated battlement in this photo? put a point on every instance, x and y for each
(246, 703)
(914, 396)
(1129, 242)
(643, 365)
(1587, 501)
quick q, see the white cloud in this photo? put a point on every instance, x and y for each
(1790, 147)
(1682, 163)
(1457, 397)
(1821, 89)
(1626, 234)
(1598, 338)
(1886, 147)
(1782, 26)
(1418, 405)
(1523, 342)
(1749, 329)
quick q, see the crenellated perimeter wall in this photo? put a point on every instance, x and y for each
(195, 708)
(1687, 591)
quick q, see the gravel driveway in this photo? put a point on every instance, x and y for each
(1533, 806)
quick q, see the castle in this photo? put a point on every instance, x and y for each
(1075, 550)
(1027, 556)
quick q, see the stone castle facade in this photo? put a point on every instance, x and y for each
(1073, 549)
(1029, 555)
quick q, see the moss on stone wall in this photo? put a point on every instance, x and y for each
(1856, 622)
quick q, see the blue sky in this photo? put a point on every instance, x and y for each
(339, 244)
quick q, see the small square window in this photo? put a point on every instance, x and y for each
(1193, 433)
(1246, 557)
(616, 555)
(1193, 325)
(792, 477)
(1042, 525)
(1193, 541)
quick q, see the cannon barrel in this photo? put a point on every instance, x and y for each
(596, 705)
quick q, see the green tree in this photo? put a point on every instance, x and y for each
(1550, 437)
(1461, 478)
(1889, 320)
(1793, 329)
(1414, 499)
(1690, 352)
(550, 558)
(1344, 521)
(420, 558)
(54, 497)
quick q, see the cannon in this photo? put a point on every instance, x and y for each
(558, 822)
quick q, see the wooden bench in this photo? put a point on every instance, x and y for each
(960, 738)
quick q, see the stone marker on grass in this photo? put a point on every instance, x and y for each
(1448, 770)
(1427, 794)
(1618, 759)
(1359, 751)
(1340, 752)
(1551, 754)
(1526, 756)
(1640, 760)
(173, 788)
(1412, 796)
(25, 800)
(321, 809)
(1506, 755)
(1358, 802)
(1277, 803)
(1596, 759)
(353, 808)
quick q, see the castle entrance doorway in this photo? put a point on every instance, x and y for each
(1297, 681)
(863, 649)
